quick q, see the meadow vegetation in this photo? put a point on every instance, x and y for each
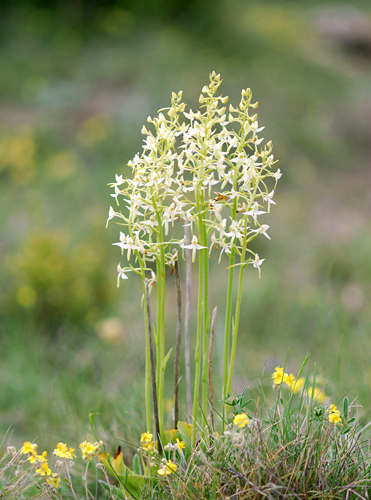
(71, 343)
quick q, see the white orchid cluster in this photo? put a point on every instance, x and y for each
(206, 169)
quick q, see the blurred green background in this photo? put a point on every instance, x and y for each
(78, 80)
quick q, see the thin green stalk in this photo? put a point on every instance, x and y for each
(197, 355)
(147, 388)
(227, 331)
(160, 353)
(228, 318)
(187, 351)
(237, 314)
(147, 383)
(204, 256)
(152, 366)
(200, 307)
(160, 335)
(210, 367)
(177, 344)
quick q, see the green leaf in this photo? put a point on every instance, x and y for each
(132, 483)
(112, 489)
(165, 360)
(136, 465)
(92, 416)
(345, 407)
(247, 403)
(244, 392)
(185, 430)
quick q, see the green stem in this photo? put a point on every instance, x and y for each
(197, 354)
(228, 313)
(147, 379)
(237, 314)
(228, 320)
(160, 268)
(147, 389)
(152, 365)
(204, 256)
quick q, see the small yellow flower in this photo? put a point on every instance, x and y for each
(44, 470)
(63, 452)
(318, 395)
(146, 437)
(38, 458)
(146, 442)
(28, 447)
(88, 450)
(289, 380)
(180, 444)
(241, 420)
(54, 480)
(167, 469)
(278, 376)
(334, 415)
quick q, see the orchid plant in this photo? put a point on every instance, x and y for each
(208, 171)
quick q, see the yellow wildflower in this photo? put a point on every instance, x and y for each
(54, 480)
(289, 380)
(180, 444)
(167, 469)
(44, 470)
(37, 458)
(28, 447)
(63, 452)
(299, 384)
(278, 376)
(88, 450)
(318, 395)
(146, 437)
(241, 420)
(146, 442)
(334, 415)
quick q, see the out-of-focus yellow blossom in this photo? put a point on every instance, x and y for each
(54, 480)
(180, 444)
(334, 415)
(241, 420)
(168, 468)
(289, 380)
(37, 458)
(28, 447)
(88, 450)
(318, 395)
(95, 129)
(44, 469)
(146, 437)
(299, 384)
(62, 451)
(278, 376)
(146, 442)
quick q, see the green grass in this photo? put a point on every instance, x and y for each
(289, 449)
